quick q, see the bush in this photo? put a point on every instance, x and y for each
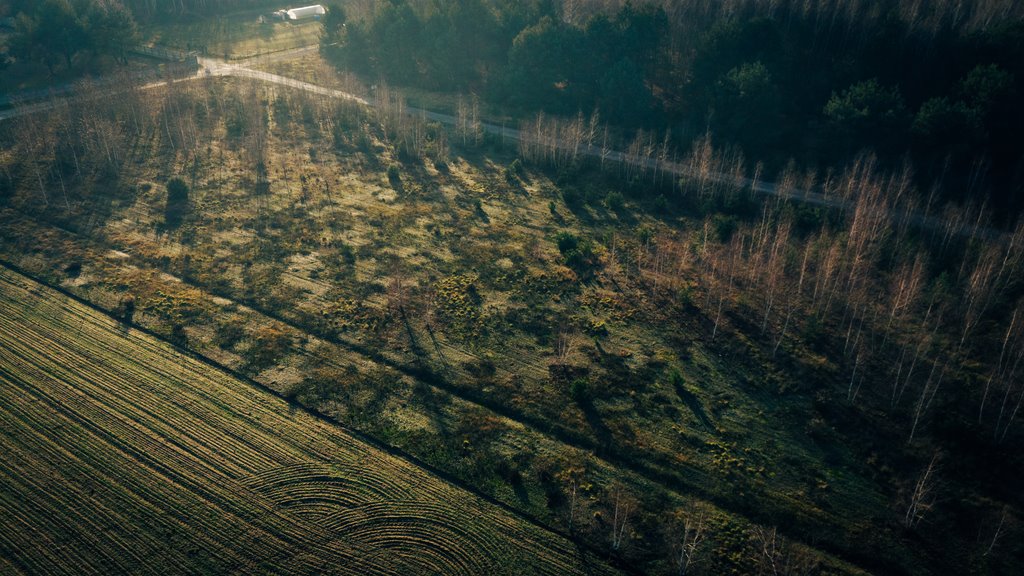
(348, 256)
(578, 253)
(660, 204)
(339, 136)
(615, 201)
(581, 260)
(725, 227)
(126, 310)
(514, 171)
(580, 390)
(227, 334)
(567, 241)
(393, 174)
(177, 191)
(644, 234)
(268, 345)
(675, 378)
(177, 201)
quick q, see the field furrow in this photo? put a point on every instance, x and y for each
(124, 455)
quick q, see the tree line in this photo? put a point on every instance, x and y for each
(815, 81)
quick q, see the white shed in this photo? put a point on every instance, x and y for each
(306, 12)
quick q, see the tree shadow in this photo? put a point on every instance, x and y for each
(623, 217)
(520, 491)
(433, 404)
(581, 211)
(693, 403)
(414, 344)
(600, 429)
(479, 209)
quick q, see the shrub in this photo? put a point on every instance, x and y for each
(567, 241)
(615, 201)
(348, 256)
(578, 253)
(126, 309)
(177, 191)
(177, 201)
(178, 334)
(725, 227)
(580, 390)
(339, 136)
(644, 234)
(660, 204)
(514, 171)
(268, 345)
(675, 378)
(229, 333)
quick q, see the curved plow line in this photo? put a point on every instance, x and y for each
(413, 513)
(443, 533)
(420, 562)
(422, 542)
(358, 480)
(313, 508)
(318, 494)
(413, 475)
(299, 533)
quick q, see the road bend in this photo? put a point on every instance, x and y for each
(211, 67)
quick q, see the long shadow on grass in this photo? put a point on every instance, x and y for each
(521, 494)
(601, 431)
(693, 403)
(414, 343)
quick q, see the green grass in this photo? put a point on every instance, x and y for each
(234, 36)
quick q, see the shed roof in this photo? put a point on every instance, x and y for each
(306, 12)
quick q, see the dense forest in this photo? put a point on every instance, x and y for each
(933, 84)
(54, 32)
